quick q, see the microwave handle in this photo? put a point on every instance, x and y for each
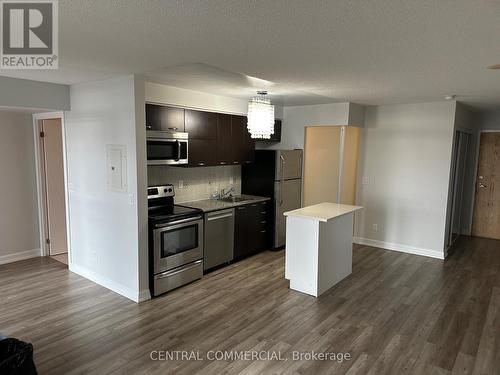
(178, 150)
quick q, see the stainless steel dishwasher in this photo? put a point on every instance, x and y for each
(219, 238)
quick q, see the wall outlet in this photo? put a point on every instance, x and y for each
(95, 257)
(131, 199)
(365, 181)
(181, 184)
(375, 227)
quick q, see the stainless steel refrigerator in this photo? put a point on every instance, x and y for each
(276, 174)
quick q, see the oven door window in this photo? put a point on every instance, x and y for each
(178, 240)
(161, 150)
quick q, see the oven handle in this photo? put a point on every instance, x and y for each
(172, 223)
(182, 269)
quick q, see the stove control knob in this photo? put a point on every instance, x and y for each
(170, 190)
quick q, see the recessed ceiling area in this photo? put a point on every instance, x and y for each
(308, 52)
(210, 79)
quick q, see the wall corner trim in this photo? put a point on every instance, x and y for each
(107, 283)
(144, 295)
(399, 247)
(21, 255)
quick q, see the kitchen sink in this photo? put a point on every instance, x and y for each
(234, 199)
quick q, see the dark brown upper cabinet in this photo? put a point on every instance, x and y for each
(214, 138)
(159, 117)
(225, 147)
(243, 144)
(201, 125)
(201, 152)
(276, 136)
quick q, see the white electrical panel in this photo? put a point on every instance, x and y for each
(116, 168)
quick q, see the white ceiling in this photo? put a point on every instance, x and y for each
(304, 51)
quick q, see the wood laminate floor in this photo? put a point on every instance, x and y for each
(396, 314)
(63, 258)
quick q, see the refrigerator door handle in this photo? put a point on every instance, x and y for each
(282, 178)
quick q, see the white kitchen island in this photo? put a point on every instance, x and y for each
(318, 250)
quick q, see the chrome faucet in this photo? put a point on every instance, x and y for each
(223, 194)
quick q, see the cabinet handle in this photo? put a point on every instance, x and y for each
(149, 127)
(262, 231)
(263, 212)
(282, 178)
(201, 163)
(263, 222)
(248, 161)
(241, 208)
(222, 163)
(173, 128)
(235, 162)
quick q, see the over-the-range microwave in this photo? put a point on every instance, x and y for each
(166, 148)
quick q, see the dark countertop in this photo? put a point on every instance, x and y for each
(208, 205)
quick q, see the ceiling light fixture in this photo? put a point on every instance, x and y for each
(450, 97)
(260, 116)
(495, 66)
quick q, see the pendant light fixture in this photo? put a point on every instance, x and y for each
(260, 116)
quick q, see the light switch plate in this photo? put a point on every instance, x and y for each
(365, 181)
(181, 184)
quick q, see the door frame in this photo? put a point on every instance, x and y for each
(476, 168)
(40, 183)
(453, 189)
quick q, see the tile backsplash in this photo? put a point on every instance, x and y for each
(198, 183)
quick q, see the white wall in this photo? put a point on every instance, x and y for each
(19, 230)
(489, 120)
(297, 117)
(406, 157)
(22, 93)
(104, 224)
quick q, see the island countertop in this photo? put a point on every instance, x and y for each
(323, 211)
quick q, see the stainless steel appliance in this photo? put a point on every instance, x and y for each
(219, 238)
(176, 241)
(276, 174)
(167, 148)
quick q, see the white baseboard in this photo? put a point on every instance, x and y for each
(21, 255)
(110, 284)
(398, 247)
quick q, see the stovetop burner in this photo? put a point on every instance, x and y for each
(161, 207)
(172, 213)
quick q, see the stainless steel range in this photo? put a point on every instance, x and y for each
(175, 240)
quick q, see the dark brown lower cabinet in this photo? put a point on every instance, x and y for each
(251, 229)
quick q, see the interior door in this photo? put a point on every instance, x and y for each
(321, 164)
(486, 219)
(55, 203)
